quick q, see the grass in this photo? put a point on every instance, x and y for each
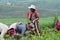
(46, 27)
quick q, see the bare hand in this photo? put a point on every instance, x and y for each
(33, 21)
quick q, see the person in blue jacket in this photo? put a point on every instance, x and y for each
(21, 29)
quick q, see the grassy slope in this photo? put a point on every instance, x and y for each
(42, 21)
(47, 34)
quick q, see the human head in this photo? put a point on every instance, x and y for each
(32, 8)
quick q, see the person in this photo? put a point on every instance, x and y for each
(57, 25)
(16, 30)
(22, 28)
(12, 30)
(3, 30)
(33, 16)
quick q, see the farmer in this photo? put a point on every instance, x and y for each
(3, 30)
(57, 25)
(18, 29)
(12, 30)
(22, 28)
(33, 16)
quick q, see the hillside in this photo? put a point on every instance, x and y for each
(49, 4)
(46, 8)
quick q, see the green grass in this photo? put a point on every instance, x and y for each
(46, 28)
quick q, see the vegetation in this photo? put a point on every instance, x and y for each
(48, 32)
(16, 13)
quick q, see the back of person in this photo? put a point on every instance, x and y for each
(13, 26)
(21, 29)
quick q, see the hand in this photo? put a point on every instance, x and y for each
(33, 21)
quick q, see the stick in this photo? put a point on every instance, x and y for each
(37, 29)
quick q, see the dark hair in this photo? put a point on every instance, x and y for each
(33, 10)
(28, 23)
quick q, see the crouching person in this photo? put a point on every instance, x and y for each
(12, 30)
(11, 33)
(21, 29)
(57, 25)
(3, 30)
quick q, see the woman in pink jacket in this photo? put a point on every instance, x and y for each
(57, 25)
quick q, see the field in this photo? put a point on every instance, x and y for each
(46, 25)
(16, 12)
(20, 11)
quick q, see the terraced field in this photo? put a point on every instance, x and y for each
(48, 32)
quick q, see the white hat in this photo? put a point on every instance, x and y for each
(32, 6)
